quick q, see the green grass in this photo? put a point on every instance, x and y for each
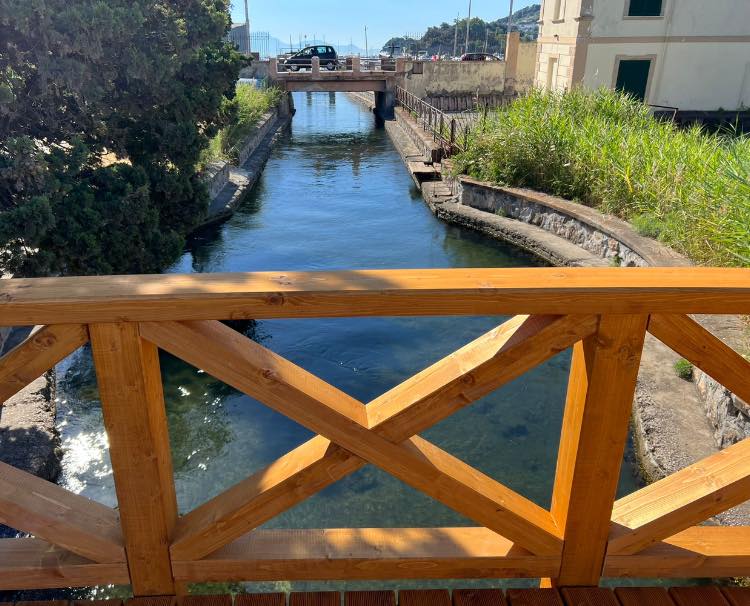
(684, 369)
(688, 188)
(250, 105)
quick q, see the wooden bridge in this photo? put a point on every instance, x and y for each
(602, 314)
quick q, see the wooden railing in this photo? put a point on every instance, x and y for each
(603, 314)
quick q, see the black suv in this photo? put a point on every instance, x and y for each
(327, 55)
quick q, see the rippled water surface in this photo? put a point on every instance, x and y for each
(334, 195)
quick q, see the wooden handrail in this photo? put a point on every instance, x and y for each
(428, 292)
(604, 314)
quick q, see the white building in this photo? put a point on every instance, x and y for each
(688, 54)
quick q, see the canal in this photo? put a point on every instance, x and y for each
(334, 195)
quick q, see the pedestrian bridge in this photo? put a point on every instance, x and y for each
(377, 77)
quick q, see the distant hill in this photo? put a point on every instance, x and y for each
(438, 40)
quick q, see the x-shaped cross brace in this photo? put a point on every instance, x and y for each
(382, 433)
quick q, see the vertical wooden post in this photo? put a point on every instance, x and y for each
(273, 67)
(594, 433)
(356, 65)
(315, 66)
(130, 389)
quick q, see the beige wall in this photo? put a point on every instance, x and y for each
(445, 78)
(525, 74)
(701, 49)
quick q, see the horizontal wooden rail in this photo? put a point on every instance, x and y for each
(429, 292)
(602, 314)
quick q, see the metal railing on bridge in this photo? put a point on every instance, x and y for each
(452, 131)
(603, 314)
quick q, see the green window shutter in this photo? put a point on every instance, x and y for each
(632, 77)
(645, 8)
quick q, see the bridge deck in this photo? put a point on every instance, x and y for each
(628, 596)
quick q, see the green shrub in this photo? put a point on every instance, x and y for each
(684, 369)
(686, 187)
(250, 103)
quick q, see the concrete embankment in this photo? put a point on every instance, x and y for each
(675, 422)
(228, 184)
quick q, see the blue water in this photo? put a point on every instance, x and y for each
(335, 195)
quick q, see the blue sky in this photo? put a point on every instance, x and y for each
(339, 20)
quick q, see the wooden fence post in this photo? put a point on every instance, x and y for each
(130, 389)
(315, 66)
(594, 433)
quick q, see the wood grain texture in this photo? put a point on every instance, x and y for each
(696, 344)
(698, 596)
(129, 379)
(737, 596)
(698, 552)
(163, 600)
(681, 500)
(588, 596)
(317, 598)
(478, 597)
(534, 597)
(424, 292)
(367, 553)
(422, 400)
(36, 564)
(640, 596)
(37, 354)
(49, 512)
(370, 598)
(594, 433)
(207, 600)
(310, 401)
(260, 599)
(424, 597)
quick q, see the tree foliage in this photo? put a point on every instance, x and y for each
(105, 107)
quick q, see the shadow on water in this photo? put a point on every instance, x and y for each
(335, 195)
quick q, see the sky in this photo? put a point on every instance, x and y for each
(339, 21)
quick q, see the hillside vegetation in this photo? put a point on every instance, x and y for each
(438, 40)
(687, 188)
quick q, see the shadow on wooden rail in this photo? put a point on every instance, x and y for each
(602, 314)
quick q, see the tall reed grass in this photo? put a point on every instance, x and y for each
(686, 187)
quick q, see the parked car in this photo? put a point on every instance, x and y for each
(329, 59)
(479, 57)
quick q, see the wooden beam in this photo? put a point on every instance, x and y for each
(485, 364)
(419, 402)
(367, 553)
(37, 354)
(424, 292)
(310, 401)
(595, 429)
(46, 510)
(696, 344)
(129, 379)
(36, 564)
(681, 500)
(698, 552)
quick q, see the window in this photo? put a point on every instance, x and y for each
(556, 14)
(645, 8)
(632, 77)
(322, 50)
(552, 73)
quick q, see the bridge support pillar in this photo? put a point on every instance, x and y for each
(385, 103)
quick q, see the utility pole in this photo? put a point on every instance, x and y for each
(247, 25)
(455, 36)
(510, 17)
(468, 22)
(367, 45)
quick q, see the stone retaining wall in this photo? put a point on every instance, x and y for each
(613, 239)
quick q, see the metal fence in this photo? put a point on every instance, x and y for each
(452, 131)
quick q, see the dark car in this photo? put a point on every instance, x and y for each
(303, 59)
(479, 57)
